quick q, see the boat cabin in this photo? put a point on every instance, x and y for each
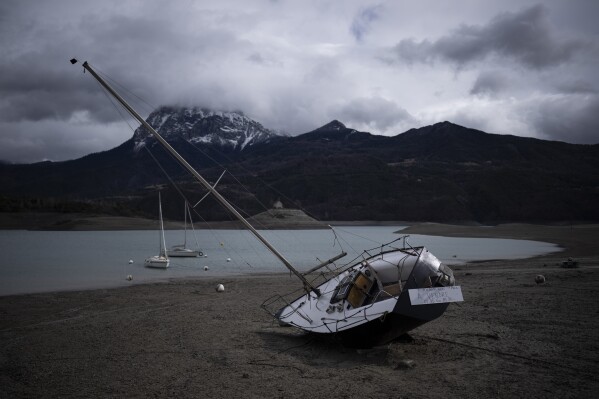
(386, 276)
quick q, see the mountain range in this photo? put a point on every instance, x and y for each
(203, 126)
(443, 172)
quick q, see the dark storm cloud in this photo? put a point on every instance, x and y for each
(54, 140)
(526, 37)
(373, 113)
(33, 93)
(257, 58)
(489, 83)
(262, 60)
(363, 20)
(579, 86)
(292, 66)
(39, 83)
(570, 118)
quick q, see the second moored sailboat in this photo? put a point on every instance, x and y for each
(181, 250)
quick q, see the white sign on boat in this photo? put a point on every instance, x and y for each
(427, 296)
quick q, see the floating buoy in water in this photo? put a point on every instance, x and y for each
(228, 259)
(220, 288)
(130, 261)
(206, 268)
(222, 245)
(540, 279)
(129, 277)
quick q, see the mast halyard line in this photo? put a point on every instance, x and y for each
(163, 241)
(307, 285)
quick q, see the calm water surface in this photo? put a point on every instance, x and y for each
(42, 261)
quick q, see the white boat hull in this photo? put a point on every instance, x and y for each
(183, 253)
(158, 262)
(369, 304)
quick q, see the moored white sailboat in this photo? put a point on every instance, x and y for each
(369, 301)
(161, 260)
(181, 250)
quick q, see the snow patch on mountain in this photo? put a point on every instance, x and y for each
(199, 125)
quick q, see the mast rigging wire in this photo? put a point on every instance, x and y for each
(267, 209)
(212, 230)
(306, 285)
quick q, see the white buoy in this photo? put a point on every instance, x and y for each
(130, 261)
(540, 279)
(220, 288)
(206, 268)
(228, 259)
(129, 277)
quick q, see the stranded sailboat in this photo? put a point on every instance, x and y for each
(367, 302)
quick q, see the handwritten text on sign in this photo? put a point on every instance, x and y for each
(427, 296)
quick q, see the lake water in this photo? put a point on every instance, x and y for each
(42, 261)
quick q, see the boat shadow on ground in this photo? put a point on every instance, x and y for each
(319, 350)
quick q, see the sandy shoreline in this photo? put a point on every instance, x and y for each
(577, 240)
(510, 338)
(91, 222)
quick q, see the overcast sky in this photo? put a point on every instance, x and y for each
(527, 68)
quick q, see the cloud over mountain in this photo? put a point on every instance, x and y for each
(385, 66)
(526, 37)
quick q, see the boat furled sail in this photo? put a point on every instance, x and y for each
(369, 301)
(161, 260)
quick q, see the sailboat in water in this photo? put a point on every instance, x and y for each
(181, 250)
(371, 300)
(161, 260)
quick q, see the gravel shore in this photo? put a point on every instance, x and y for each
(510, 337)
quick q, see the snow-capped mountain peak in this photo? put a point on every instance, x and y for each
(200, 125)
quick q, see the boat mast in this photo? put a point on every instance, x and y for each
(307, 286)
(162, 242)
(185, 219)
